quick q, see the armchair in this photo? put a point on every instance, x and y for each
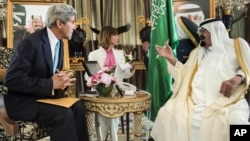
(15, 130)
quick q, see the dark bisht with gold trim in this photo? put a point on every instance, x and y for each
(192, 41)
(145, 33)
(76, 48)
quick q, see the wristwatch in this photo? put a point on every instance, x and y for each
(242, 78)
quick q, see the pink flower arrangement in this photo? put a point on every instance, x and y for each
(102, 78)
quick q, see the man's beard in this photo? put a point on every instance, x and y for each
(37, 29)
(202, 42)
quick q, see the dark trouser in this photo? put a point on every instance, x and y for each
(67, 124)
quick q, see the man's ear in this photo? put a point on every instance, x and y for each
(58, 23)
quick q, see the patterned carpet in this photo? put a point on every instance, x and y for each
(146, 124)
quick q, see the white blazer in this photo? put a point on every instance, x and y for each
(123, 70)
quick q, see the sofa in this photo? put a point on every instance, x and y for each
(15, 130)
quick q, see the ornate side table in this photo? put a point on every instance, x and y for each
(116, 107)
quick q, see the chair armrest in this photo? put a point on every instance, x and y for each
(10, 126)
(2, 74)
(3, 90)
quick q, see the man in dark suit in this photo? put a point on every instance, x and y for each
(31, 76)
(145, 39)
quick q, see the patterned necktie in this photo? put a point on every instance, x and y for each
(56, 56)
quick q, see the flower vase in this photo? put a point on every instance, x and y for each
(103, 91)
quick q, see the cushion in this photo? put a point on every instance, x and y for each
(3, 89)
(5, 54)
(29, 131)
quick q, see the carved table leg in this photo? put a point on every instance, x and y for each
(97, 127)
(90, 121)
(137, 126)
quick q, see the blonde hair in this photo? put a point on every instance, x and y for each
(105, 35)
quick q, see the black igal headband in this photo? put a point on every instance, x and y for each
(208, 21)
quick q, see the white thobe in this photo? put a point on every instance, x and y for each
(205, 114)
(202, 98)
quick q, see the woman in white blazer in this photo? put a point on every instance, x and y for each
(108, 56)
(123, 70)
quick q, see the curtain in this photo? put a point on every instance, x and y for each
(238, 26)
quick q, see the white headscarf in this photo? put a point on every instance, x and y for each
(219, 35)
(190, 9)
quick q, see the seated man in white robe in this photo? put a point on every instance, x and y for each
(209, 89)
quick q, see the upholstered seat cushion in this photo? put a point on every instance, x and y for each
(5, 54)
(3, 89)
(29, 131)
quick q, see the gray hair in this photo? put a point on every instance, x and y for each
(59, 11)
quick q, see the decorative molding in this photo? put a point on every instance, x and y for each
(141, 22)
(44, 1)
(117, 110)
(116, 107)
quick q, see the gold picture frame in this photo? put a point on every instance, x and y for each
(207, 6)
(19, 14)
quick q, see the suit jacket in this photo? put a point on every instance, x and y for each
(28, 77)
(122, 70)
